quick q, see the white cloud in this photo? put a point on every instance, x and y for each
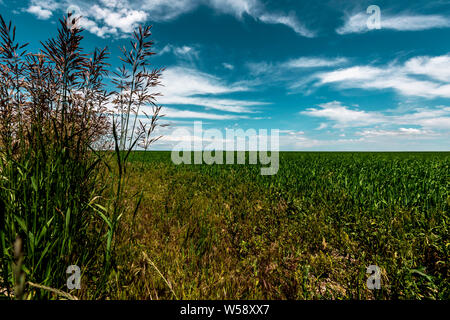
(436, 119)
(188, 114)
(357, 73)
(322, 126)
(187, 86)
(228, 66)
(163, 10)
(358, 23)
(285, 69)
(39, 12)
(185, 50)
(228, 105)
(438, 123)
(123, 19)
(435, 67)
(256, 9)
(183, 53)
(290, 142)
(418, 129)
(183, 81)
(94, 28)
(344, 116)
(235, 7)
(401, 78)
(42, 9)
(405, 132)
(292, 132)
(120, 17)
(289, 21)
(314, 62)
(258, 68)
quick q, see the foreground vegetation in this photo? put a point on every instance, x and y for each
(309, 232)
(61, 200)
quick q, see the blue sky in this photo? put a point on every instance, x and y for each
(312, 69)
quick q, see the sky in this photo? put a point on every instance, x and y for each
(324, 73)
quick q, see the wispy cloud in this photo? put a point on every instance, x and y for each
(402, 132)
(286, 69)
(401, 78)
(120, 17)
(182, 52)
(228, 66)
(357, 23)
(435, 119)
(189, 114)
(434, 67)
(314, 62)
(290, 21)
(341, 116)
(257, 10)
(187, 86)
(183, 81)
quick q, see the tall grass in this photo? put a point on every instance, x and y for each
(55, 194)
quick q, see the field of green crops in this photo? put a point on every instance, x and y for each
(309, 232)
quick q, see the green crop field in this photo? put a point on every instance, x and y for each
(308, 232)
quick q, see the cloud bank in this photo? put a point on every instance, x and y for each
(119, 17)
